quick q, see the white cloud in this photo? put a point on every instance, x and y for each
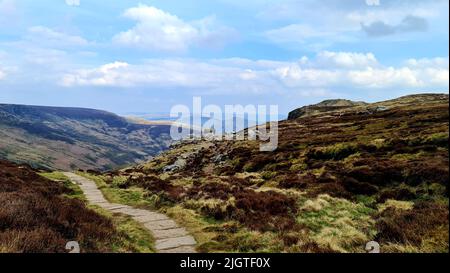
(346, 59)
(386, 77)
(437, 76)
(373, 2)
(328, 71)
(409, 24)
(162, 74)
(48, 37)
(313, 38)
(161, 31)
(363, 71)
(429, 63)
(345, 21)
(2, 74)
(294, 76)
(3, 56)
(106, 75)
(73, 2)
(299, 32)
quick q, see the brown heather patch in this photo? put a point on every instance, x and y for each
(412, 227)
(261, 211)
(34, 217)
(155, 185)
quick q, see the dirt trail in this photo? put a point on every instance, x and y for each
(170, 238)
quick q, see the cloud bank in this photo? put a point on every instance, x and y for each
(161, 31)
(327, 71)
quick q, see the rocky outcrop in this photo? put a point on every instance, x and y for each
(322, 107)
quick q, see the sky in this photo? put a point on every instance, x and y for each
(147, 56)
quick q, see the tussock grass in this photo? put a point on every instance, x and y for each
(337, 223)
(75, 193)
(223, 236)
(403, 205)
(132, 237)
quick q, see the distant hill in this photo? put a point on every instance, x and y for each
(73, 138)
(165, 119)
(341, 106)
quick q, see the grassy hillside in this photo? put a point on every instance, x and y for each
(340, 178)
(40, 215)
(73, 138)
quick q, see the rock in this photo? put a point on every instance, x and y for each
(219, 158)
(178, 165)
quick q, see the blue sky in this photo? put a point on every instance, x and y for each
(146, 56)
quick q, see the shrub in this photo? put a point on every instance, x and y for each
(336, 223)
(354, 186)
(412, 226)
(399, 193)
(336, 152)
(258, 162)
(34, 217)
(276, 209)
(267, 175)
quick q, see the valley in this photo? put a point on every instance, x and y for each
(76, 138)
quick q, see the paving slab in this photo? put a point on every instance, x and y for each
(170, 238)
(175, 242)
(169, 233)
(151, 217)
(181, 249)
(161, 225)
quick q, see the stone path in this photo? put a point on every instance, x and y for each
(170, 238)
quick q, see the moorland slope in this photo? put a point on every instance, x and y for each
(340, 178)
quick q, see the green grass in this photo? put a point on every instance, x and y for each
(132, 196)
(339, 151)
(223, 236)
(367, 201)
(267, 175)
(77, 193)
(208, 232)
(131, 236)
(337, 223)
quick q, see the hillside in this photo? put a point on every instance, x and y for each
(38, 215)
(76, 138)
(339, 179)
